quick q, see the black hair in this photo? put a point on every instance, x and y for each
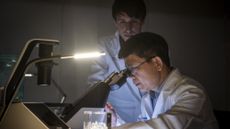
(133, 8)
(146, 45)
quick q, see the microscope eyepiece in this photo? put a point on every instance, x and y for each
(116, 79)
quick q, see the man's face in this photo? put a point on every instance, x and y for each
(144, 73)
(127, 26)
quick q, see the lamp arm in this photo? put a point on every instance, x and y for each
(60, 90)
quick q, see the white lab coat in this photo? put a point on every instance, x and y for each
(126, 100)
(182, 104)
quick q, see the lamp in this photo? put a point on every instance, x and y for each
(10, 90)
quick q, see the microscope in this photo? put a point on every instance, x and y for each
(97, 94)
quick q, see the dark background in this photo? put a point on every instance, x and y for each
(197, 32)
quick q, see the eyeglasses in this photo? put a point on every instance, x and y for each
(133, 22)
(132, 70)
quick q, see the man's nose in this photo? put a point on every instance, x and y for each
(128, 26)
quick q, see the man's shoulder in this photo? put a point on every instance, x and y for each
(179, 81)
(109, 42)
(111, 39)
(186, 84)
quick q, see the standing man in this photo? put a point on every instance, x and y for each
(129, 16)
(177, 101)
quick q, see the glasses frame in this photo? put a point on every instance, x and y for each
(132, 69)
(133, 22)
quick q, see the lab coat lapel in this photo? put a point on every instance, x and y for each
(160, 104)
(147, 106)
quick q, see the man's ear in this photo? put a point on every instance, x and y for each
(158, 63)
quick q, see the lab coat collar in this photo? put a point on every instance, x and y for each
(170, 81)
(167, 87)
